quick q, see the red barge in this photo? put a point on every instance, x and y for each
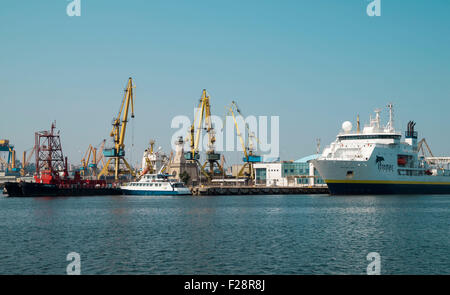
(52, 177)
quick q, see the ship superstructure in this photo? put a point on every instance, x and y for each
(375, 160)
(153, 161)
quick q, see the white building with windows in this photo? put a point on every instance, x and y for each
(288, 173)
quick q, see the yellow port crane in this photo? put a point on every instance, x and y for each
(93, 165)
(26, 160)
(84, 161)
(10, 165)
(249, 149)
(96, 160)
(116, 155)
(203, 116)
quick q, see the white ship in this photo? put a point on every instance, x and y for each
(375, 161)
(155, 184)
(153, 180)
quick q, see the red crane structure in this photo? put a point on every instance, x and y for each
(51, 166)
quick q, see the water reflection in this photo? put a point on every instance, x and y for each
(226, 234)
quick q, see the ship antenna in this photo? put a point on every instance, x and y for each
(358, 126)
(377, 118)
(391, 117)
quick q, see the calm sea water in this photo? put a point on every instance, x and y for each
(292, 234)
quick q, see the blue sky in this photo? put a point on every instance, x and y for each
(313, 63)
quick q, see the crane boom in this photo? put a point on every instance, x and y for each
(203, 116)
(249, 157)
(230, 109)
(129, 100)
(84, 161)
(200, 120)
(100, 152)
(117, 154)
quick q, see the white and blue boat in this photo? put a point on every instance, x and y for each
(156, 184)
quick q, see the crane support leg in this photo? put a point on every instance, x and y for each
(105, 169)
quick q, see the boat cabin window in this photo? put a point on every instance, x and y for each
(370, 136)
(405, 161)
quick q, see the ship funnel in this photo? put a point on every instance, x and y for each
(410, 134)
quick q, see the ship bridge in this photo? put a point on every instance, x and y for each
(372, 131)
(358, 144)
(369, 136)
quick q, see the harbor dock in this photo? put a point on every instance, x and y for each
(257, 190)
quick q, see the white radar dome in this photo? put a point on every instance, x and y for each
(347, 126)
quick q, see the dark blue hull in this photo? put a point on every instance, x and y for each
(387, 189)
(28, 189)
(153, 193)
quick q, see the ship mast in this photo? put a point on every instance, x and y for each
(390, 126)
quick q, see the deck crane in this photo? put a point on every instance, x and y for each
(203, 116)
(249, 149)
(148, 164)
(421, 149)
(167, 163)
(155, 162)
(116, 155)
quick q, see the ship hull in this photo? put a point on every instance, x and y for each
(347, 188)
(362, 178)
(154, 193)
(27, 189)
